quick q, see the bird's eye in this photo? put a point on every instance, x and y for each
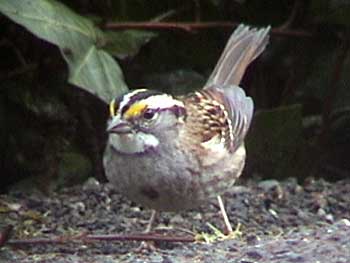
(149, 114)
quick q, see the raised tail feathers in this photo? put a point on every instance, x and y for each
(244, 45)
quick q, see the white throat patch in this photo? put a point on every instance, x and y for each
(133, 143)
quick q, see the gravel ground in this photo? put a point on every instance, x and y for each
(280, 222)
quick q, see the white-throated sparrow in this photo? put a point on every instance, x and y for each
(174, 153)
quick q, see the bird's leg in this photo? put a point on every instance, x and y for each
(150, 222)
(148, 245)
(224, 215)
(230, 232)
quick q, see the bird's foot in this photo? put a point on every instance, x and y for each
(218, 234)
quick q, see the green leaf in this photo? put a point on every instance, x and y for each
(79, 40)
(127, 43)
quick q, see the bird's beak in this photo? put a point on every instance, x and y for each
(117, 125)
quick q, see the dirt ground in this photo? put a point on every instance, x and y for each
(280, 222)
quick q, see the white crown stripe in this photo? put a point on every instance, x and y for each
(127, 98)
(162, 101)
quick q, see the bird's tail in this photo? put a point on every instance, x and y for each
(244, 45)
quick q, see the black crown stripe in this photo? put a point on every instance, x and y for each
(144, 94)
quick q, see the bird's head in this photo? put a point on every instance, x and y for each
(144, 116)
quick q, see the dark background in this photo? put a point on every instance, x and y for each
(52, 134)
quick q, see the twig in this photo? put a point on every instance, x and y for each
(92, 238)
(190, 27)
(141, 237)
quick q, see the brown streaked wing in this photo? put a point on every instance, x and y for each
(208, 117)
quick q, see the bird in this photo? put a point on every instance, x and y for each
(174, 153)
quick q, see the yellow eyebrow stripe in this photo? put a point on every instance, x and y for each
(135, 110)
(112, 108)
